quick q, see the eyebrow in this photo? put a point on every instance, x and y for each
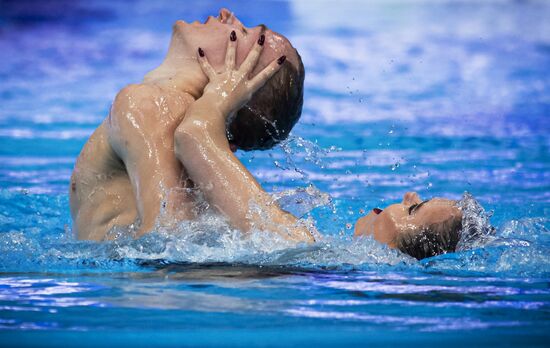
(415, 207)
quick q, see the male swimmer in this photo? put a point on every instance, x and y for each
(221, 87)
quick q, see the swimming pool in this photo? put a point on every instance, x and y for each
(440, 98)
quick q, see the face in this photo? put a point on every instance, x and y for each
(212, 36)
(412, 214)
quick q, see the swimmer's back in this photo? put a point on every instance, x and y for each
(102, 194)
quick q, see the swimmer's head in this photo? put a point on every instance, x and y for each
(274, 109)
(416, 227)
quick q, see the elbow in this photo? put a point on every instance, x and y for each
(185, 138)
(182, 138)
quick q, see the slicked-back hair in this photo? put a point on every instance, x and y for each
(272, 112)
(432, 240)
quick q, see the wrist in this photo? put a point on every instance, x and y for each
(206, 114)
(206, 108)
(214, 102)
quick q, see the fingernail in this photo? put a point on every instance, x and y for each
(377, 211)
(281, 60)
(233, 36)
(201, 52)
(261, 40)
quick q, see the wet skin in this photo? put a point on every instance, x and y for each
(411, 215)
(128, 170)
(167, 134)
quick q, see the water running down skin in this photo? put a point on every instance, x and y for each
(169, 133)
(128, 171)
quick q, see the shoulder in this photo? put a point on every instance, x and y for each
(138, 90)
(149, 97)
(135, 96)
(143, 104)
(145, 111)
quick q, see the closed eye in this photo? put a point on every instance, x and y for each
(415, 207)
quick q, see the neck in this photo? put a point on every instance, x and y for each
(179, 70)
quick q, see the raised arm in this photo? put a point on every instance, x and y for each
(202, 147)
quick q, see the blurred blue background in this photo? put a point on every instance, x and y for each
(440, 97)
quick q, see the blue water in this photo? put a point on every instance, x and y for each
(437, 97)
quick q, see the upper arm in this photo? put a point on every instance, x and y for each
(141, 126)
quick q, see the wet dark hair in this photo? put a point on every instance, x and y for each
(432, 240)
(272, 112)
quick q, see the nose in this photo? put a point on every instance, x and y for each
(411, 198)
(228, 17)
(225, 15)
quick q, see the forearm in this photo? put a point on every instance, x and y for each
(202, 147)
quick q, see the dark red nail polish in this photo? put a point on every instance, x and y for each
(377, 211)
(261, 40)
(233, 36)
(201, 52)
(281, 60)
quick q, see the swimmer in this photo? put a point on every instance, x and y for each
(142, 165)
(420, 228)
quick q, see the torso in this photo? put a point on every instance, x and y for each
(102, 195)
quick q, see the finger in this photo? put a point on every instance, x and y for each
(230, 53)
(207, 69)
(259, 80)
(253, 56)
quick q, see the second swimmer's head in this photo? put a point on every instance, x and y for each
(419, 228)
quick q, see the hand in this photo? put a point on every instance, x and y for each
(231, 89)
